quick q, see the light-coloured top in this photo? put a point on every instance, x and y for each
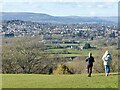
(107, 61)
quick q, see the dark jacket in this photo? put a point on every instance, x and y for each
(90, 60)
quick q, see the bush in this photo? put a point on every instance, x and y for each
(87, 46)
(77, 66)
(62, 69)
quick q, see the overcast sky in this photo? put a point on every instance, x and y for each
(62, 8)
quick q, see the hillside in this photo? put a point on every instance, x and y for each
(45, 18)
(59, 81)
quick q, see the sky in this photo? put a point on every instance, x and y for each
(63, 8)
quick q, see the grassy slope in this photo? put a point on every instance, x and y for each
(59, 81)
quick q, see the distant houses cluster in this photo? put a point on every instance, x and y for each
(26, 28)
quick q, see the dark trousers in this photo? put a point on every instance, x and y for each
(89, 68)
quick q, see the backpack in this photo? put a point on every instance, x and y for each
(108, 57)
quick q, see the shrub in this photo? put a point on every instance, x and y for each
(62, 69)
(87, 46)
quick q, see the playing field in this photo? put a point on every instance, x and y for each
(59, 81)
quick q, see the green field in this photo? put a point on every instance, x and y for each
(59, 81)
(85, 52)
(75, 52)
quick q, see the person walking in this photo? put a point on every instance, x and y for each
(89, 60)
(107, 61)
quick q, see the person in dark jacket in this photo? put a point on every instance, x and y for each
(90, 61)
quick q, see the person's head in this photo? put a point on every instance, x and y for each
(107, 52)
(90, 54)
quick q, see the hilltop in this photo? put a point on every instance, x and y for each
(59, 81)
(45, 18)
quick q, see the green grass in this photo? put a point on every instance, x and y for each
(59, 81)
(69, 44)
(68, 55)
(55, 50)
(84, 52)
(0, 82)
(74, 52)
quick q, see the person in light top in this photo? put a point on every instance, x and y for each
(107, 61)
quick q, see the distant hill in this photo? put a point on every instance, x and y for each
(45, 18)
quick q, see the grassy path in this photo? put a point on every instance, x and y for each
(59, 81)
